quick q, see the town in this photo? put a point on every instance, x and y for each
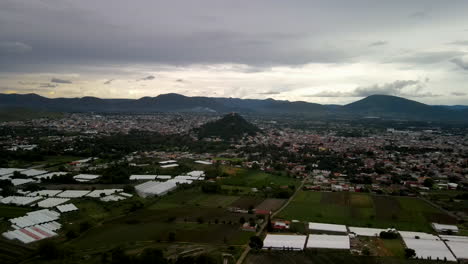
(97, 188)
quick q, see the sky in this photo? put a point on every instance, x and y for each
(329, 52)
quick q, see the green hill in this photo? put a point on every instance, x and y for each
(231, 126)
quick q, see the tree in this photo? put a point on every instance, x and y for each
(366, 251)
(242, 220)
(428, 182)
(388, 235)
(171, 236)
(269, 224)
(48, 249)
(409, 253)
(129, 188)
(256, 242)
(150, 255)
(211, 187)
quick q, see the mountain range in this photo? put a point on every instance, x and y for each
(383, 106)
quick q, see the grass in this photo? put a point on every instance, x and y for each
(194, 197)
(255, 179)
(8, 211)
(357, 209)
(194, 217)
(395, 247)
(11, 252)
(322, 257)
(229, 159)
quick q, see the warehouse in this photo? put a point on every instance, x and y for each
(328, 228)
(458, 245)
(20, 200)
(154, 188)
(72, 194)
(105, 192)
(284, 242)
(329, 241)
(17, 182)
(447, 229)
(33, 172)
(364, 231)
(34, 218)
(52, 202)
(203, 162)
(167, 162)
(427, 246)
(142, 177)
(33, 233)
(50, 175)
(169, 166)
(67, 208)
(46, 193)
(85, 177)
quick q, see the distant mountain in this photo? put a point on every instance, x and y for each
(384, 106)
(231, 126)
(161, 103)
(387, 106)
(455, 107)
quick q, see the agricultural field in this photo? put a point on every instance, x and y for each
(51, 163)
(247, 202)
(358, 209)
(9, 211)
(325, 257)
(194, 197)
(11, 252)
(271, 204)
(256, 179)
(185, 216)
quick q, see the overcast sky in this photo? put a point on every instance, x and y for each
(324, 51)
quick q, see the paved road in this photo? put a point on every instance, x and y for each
(262, 227)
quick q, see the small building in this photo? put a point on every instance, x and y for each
(281, 225)
(284, 242)
(247, 227)
(327, 228)
(329, 242)
(446, 229)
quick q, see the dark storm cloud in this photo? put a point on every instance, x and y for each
(47, 85)
(461, 62)
(427, 57)
(459, 42)
(270, 93)
(378, 43)
(419, 15)
(56, 80)
(395, 88)
(257, 33)
(13, 47)
(148, 78)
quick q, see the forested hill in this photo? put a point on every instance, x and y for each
(231, 126)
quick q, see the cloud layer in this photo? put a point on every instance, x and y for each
(324, 51)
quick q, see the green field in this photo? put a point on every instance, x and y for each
(194, 197)
(12, 252)
(322, 257)
(357, 209)
(9, 211)
(193, 216)
(256, 179)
